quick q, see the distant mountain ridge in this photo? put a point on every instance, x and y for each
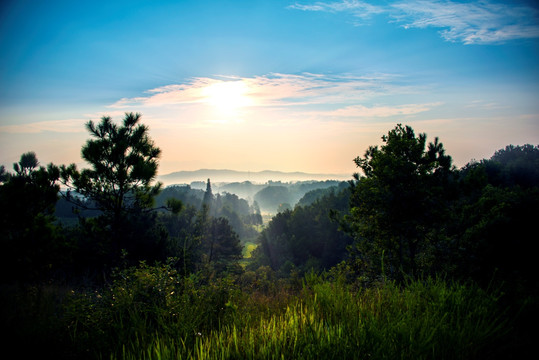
(225, 175)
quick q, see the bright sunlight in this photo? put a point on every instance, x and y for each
(227, 96)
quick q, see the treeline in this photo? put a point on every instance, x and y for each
(64, 224)
(307, 238)
(411, 213)
(272, 196)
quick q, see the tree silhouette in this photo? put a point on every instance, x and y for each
(29, 239)
(123, 164)
(208, 195)
(399, 201)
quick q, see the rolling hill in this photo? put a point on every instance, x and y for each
(223, 175)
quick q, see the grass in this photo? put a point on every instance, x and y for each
(327, 320)
(153, 313)
(248, 247)
(425, 321)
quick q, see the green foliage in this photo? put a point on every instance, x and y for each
(144, 301)
(311, 196)
(515, 165)
(151, 313)
(184, 238)
(208, 195)
(184, 193)
(306, 237)
(174, 205)
(272, 196)
(243, 218)
(398, 208)
(202, 242)
(171, 284)
(123, 162)
(494, 219)
(220, 245)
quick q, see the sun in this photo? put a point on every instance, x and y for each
(227, 96)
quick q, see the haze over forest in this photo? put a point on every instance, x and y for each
(228, 176)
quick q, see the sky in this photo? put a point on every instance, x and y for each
(268, 85)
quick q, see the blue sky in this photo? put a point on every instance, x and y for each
(282, 85)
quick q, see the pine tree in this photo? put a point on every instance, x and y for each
(208, 195)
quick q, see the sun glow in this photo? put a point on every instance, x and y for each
(227, 96)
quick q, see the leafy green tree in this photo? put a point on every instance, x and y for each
(514, 165)
(220, 245)
(202, 242)
(398, 205)
(184, 193)
(184, 237)
(271, 196)
(307, 237)
(495, 217)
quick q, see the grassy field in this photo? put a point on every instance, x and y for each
(248, 247)
(430, 320)
(152, 313)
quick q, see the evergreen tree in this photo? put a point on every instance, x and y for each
(398, 206)
(31, 243)
(124, 163)
(208, 195)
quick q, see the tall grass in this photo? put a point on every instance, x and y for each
(150, 312)
(328, 320)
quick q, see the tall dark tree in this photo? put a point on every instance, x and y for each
(220, 244)
(123, 162)
(123, 165)
(30, 241)
(208, 195)
(398, 204)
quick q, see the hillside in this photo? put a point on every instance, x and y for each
(223, 175)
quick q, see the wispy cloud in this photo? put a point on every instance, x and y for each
(66, 126)
(473, 22)
(58, 126)
(485, 105)
(358, 9)
(264, 100)
(188, 93)
(360, 111)
(273, 90)
(480, 22)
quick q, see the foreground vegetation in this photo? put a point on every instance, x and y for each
(150, 312)
(411, 259)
